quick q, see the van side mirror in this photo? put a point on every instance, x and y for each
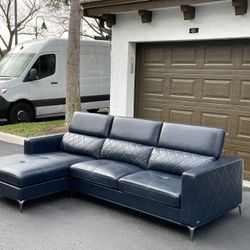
(33, 75)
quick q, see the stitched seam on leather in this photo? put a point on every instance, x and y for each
(93, 173)
(82, 144)
(112, 150)
(209, 208)
(145, 197)
(176, 161)
(146, 189)
(96, 174)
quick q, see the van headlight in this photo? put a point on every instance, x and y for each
(3, 91)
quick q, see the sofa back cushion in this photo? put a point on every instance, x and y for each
(176, 162)
(126, 151)
(136, 130)
(91, 124)
(193, 139)
(82, 144)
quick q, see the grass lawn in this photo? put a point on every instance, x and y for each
(34, 128)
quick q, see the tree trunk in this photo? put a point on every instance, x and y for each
(10, 42)
(1, 54)
(73, 100)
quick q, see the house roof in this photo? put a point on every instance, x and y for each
(100, 7)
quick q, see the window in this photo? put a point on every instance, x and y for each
(13, 64)
(45, 65)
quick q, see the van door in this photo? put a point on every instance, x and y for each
(104, 64)
(45, 91)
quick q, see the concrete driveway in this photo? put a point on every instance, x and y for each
(59, 222)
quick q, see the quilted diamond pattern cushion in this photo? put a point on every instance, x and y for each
(124, 151)
(175, 162)
(82, 144)
(218, 188)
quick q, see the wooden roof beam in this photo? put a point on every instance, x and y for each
(146, 16)
(188, 12)
(127, 6)
(240, 7)
(101, 3)
(109, 19)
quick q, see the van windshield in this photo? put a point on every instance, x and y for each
(13, 65)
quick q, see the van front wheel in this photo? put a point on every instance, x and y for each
(21, 112)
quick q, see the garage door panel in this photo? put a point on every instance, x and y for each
(245, 155)
(235, 122)
(182, 88)
(246, 55)
(184, 56)
(214, 56)
(151, 113)
(216, 120)
(244, 97)
(153, 87)
(217, 90)
(181, 116)
(154, 56)
(219, 56)
(243, 125)
(200, 83)
(197, 88)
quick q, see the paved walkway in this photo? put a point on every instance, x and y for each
(59, 222)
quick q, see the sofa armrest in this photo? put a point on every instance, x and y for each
(211, 190)
(43, 144)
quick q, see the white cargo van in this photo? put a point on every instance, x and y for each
(33, 79)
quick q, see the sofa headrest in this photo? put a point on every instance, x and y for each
(194, 139)
(98, 125)
(136, 130)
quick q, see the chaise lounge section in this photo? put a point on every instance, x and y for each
(171, 171)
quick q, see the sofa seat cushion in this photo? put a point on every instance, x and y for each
(153, 185)
(24, 170)
(103, 172)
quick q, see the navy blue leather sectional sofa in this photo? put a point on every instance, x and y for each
(171, 171)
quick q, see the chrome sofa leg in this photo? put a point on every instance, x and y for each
(20, 203)
(240, 209)
(191, 232)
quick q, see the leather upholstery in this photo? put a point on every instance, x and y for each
(36, 190)
(82, 144)
(103, 172)
(23, 170)
(206, 189)
(98, 125)
(127, 200)
(153, 185)
(43, 144)
(129, 152)
(194, 139)
(175, 162)
(211, 191)
(136, 130)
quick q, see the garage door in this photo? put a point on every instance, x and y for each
(202, 83)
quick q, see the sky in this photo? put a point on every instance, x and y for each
(53, 22)
(50, 32)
